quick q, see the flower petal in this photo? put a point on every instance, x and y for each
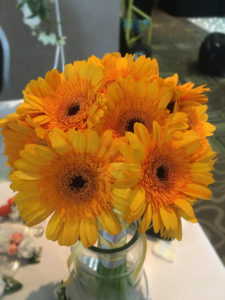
(58, 141)
(54, 227)
(146, 220)
(110, 222)
(70, 233)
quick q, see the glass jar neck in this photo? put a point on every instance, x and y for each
(133, 231)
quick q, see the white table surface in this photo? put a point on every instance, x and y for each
(195, 274)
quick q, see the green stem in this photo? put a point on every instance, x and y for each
(111, 283)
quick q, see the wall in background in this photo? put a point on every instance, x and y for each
(91, 27)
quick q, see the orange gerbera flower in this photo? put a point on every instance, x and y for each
(22, 111)
(188, 100)
(64, 100)
(197, 120)
(9, 118)
(76, 168)
(129, 101)
(160, 180)
(186, 94)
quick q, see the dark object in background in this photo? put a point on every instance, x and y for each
(141, 49)
(150, 232)
(145, 5)
(212, 54)
(138, 23)
(122, 42)
(193, 8)
(4, 62)
(11, 285)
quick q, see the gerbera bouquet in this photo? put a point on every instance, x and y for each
(108, 143)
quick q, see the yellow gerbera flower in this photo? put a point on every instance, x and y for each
(64, 100)
(129, 101)
(70, 178)
(17, 134)
(116, 66)
(160, 179)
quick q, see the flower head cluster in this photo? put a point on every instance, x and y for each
(107, 137)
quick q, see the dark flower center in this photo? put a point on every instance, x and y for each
(73, 109)
(170, 106)
(78, 183)
(161, 173)
(130, 125)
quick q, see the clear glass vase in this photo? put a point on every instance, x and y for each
(111, 273)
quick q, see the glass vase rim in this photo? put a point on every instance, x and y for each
(122, 248)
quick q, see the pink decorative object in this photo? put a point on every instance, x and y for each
(12, 249)
(16, 238)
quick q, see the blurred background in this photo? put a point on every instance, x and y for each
(186, 36)
(89, 27)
